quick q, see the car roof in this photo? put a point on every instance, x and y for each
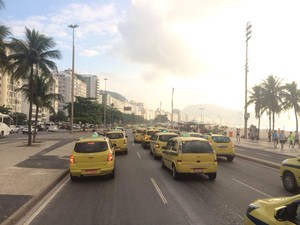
(114, 131)
(180, 138)
(92, 138)
(165, 133)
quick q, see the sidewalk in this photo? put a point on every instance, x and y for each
(265, 145)
(29, 173)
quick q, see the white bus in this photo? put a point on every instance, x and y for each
(5, 122)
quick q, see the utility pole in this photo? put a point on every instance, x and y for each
(246, 114)
(72, 82)
(105, 101)
(172, 109)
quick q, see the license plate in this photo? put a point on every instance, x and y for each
(198, 170)
(91, 171)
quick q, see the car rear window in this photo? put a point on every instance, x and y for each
(221, 139)
(166, 138)
(89, 147)
(115, 135)
(151, 132)
(196, 135)
(196, 147)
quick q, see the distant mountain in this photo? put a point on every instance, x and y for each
(117, 96)
(213, 114)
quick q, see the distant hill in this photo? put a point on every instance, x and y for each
(213, 114)
(117, 95)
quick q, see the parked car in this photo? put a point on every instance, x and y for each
(26, 131)
(53, 128)
(14, 129)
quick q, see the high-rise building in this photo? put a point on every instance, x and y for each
(92, 86)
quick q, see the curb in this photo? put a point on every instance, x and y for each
(16, 216)
(260, 161)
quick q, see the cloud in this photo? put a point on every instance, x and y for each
(88, 53)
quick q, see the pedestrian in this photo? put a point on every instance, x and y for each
(269, 135)
(296, 139)
(291, 139)
(282, 139)
(275, 138)
(238, 134)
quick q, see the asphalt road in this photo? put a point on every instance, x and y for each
(144, 193)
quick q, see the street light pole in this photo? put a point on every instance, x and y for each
(72, 82)
(172, 109)
(246, 115)
(105, 99)
(202, 119)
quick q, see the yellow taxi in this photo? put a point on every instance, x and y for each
(192, 155)
(191, 134)
(222, 145)
(281, 210)
(290, 174)
(139, 133)
(92, 156)
(158, 141)
(118, 139)
(146, 137)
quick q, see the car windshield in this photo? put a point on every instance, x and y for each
(196, 147)
(115, 135)
(221, 139)
(89, 147)
(166, 138)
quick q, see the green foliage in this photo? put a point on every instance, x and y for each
(161, 119)
(18, 118)
(5, 110)
(87, 110)
(60, 116)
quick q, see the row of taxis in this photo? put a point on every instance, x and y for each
(187, 152)
(94, 155)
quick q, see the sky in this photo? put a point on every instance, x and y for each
(145, 48)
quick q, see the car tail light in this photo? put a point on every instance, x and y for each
(109, 157)
(72, 159)
(157, 145)
(179, 160)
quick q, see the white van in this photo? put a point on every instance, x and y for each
(4, 128)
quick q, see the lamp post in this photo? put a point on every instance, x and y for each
(202, 120)
(172, 109)
(72, 82)
(246, 115)
(105, 98)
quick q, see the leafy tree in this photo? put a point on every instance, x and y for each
(86, 110)
(291, 99)
(271, 95)
(2, 4)
(5, 110)
(18, 118)
(4, 33)
(256, 98)
(60, 116)
(28, 58)
(161, 119)
(42, 96)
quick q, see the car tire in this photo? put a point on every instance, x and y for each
(289, 182)
(175, 174)
(154, 156)
(212, 176)
(163, 164)
(126, 152)
(230, 158)
(112, 175)
(150, 152)
(73, 178)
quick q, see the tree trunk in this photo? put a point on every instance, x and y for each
(273, 117)
(36, 120)
(30, 106)
(296, 116)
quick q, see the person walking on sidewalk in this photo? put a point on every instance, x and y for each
(291, 139)
(296, 139)
(275, 138)
(238, 134)
(282, 139)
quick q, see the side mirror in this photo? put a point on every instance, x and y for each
(281, 213)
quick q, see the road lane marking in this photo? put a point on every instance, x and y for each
(263, 154)
(138, 154)
(252, 188)
(164, 200)
(37, 212)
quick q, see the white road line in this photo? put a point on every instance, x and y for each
(138, 154)
(241, 150)
(31, 218)
(164, 200)
(263, 154)
(252, 188)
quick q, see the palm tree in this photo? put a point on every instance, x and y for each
(42, 96)
(2, 4)
(4, 33)
(32, 56)
(257, 100)
(291, 96)
(271, 95)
